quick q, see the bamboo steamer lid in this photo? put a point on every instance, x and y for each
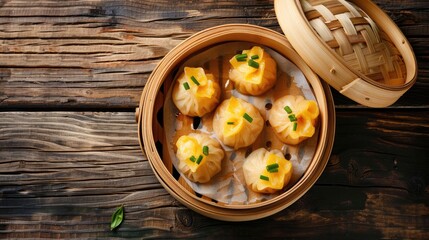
(153, 140)
(353, 45)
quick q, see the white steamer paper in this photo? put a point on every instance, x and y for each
(229, 186)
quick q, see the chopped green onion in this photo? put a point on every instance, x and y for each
(273, 170)
(272, 166)
(199, 159)
(253, 64)
(230, 123)
(186, 85)
(295, 124)
(248, 118)
(288, 110)
(254, 57)
(195, 81)
(192, 158)
(206, 150)
(241, 57)
(292, 118)
(264, 178)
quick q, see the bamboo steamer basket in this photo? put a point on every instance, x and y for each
(353, 45)
(152, 136)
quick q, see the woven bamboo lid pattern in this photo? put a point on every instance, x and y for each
(353, 45)
(356, 38)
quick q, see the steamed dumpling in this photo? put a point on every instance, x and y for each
(293, 118)
(253, 72)
(266, 171)
(237, 123)
(196, 93)
(200, 156)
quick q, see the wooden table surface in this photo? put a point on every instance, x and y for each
(71, 75)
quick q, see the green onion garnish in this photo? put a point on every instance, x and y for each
(241, 57)
(206, 150)
(253, 64)
(254, 57)
(292, 118)
(272, 166)
(230, 123)
(288, 110)
(199, 159)
(264, 178)
(186, 85)
(247, 117)
(195, 81)
(192, 158)
(295, 124)
(273, 170)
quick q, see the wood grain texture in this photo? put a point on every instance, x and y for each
(82, 65)
(99, 54)
(63, 173)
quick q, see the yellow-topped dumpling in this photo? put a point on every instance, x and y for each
(294, 118)
(237, 123)
(267, 171)
(253, 72)
(200, 156)
(196, 92)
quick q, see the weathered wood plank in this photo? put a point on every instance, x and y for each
(99, 54)
(63, 173)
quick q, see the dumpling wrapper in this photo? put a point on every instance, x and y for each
(256, 164)
(250, 80)
(306, 113)
(202, 95)
(191, 145)
(232, 127)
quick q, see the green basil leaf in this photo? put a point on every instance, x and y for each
(117, 217)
